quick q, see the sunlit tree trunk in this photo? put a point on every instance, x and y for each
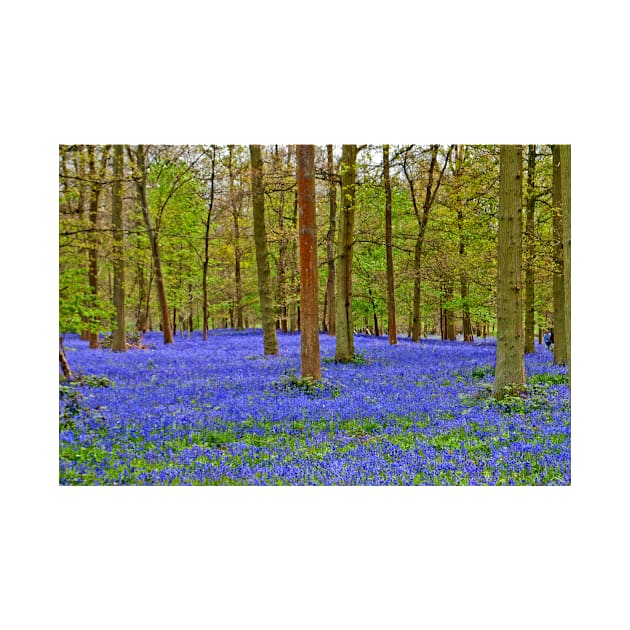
(344, 324)
(391, 293)
(559, 331)
(510, 357)
(530, 240)
(119, 341)
(309, 326)
(270, 339)
(565, 170)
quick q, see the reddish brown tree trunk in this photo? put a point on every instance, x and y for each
(309, 331)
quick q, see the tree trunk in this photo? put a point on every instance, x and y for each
(119, 340)
(510, 358)
(377, 331)
(449, 316)
(270, 340)
(141, 184)
(565, 171)
(309, 329)
(530, 237)
(559, 332)
(206, 255)
(282, 252)
(63, 360)
(344, 322)
(235, 209)
(422, 218)
(294, 323)
(389, 255)
(330, 243)
(93, 250)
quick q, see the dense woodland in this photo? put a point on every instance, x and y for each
(405, 240)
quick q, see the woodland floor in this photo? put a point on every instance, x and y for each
(220, 413)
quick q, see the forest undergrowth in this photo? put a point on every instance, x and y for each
(221, 413)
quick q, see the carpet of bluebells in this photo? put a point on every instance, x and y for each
(219, 412)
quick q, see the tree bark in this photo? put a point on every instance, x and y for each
(559, 331)
(119, 340)
(309, 288)
(389, 255)
(270, 339)
(565, 170)
(510, 357)
(344, 351)
(530, 239)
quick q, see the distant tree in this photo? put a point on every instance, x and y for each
(391, 292)
(422, 217)
(344, 322)
(139, 162)
(270, 339)
(330, 243)
(96, 176)
(510, 358)
(119, 341)
(530, 244)
(235, 198)
(565, 171)
(309, 325)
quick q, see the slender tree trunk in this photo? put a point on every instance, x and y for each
(344, 322)
(565, 171)
(467, 329)
(270, 340)
(93, 250)
(309, 289)
(559, 332)
(119, 341)
(206, 254)
(377, 331)
(294, 315)
(389, 254)
(282, 252)
(449, 316)
(510, 358)
(422, 219)
(330, 243)
(234, 206)
(530, 238)
(141, 184)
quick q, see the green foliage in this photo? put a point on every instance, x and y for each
(291, 383)
(549, 379)
(79, 309)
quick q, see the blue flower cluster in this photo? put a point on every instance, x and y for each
(220, 412)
